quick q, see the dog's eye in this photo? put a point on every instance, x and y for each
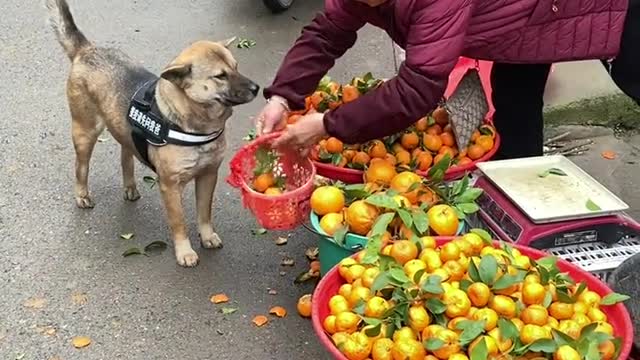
(221, 76)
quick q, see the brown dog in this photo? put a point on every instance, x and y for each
(195, 93)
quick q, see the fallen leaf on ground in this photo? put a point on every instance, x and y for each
(228, 311)
(80, 342)
(312, 253)
(127, 236)
(260, 320)
(259, 231)
(219, 299)
(278, 311)
(132, 251)
(306, 276)
(46, 330)
(273, 292)
(156, 245)
(609, 155)
(281, 240)
(287, 261)
(35, 303)
(150, 180)
(79, 298)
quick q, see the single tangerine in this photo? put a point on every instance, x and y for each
(432, 142)
(410, 140)
(334, 146)
(475, 152)
(447, 139)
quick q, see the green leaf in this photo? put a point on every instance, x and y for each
(398, 275)
(508, 329)
(260, 231)
(382, 201)
(420, 221)
(437, 171)
(132, 251)
(562, 338)
(549, 262)
(588, 330)
(613, 299)
(382, 223)
(156, 245)
(435, 306)
(473, 271)
(552, 171)
(464, 284)
(150, 180)
(359, 307)
(433, 285)
(591, 206)
(484, 235)
(228, 311)
(592, 353)
(480, 351)
(372, 250)
(488, 269)
(508, 280)
(564, 297)
(470, 330)
(434, 344)
(543, 345)
(418, 275)
(548, 299)
(340, 234)
(245, 43)
(581, 288)
(617, 342)
(128, 236)
(460, 186)
(470, 195)
(336, 159)
(406, 217)
(381, 281)
(374, 331)
(468, 208)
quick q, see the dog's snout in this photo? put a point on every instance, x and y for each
(254, 88)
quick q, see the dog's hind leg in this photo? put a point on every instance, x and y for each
(86, 126)
(205, 187)
(130, 190)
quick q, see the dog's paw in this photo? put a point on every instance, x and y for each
(211, 242)
(85, 202)
(131, 194)
(187, 258)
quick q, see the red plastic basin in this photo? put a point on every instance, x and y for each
(617, 314)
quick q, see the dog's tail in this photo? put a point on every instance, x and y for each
(69, 36)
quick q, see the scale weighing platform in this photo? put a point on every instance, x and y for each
(549, 203)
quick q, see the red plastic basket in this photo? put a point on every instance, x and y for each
(280, 212)
(352, 176)
(617, 315)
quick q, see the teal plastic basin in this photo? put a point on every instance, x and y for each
(330, 253)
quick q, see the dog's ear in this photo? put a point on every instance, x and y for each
(176, 73)
(228, 42)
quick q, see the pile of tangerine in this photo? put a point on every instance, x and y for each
(433, 303)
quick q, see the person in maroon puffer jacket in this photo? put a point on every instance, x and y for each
(521, 37)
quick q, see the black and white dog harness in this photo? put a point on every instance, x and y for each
(149, 127)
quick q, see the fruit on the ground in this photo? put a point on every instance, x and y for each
(360, 217)
(443, 220)
(330, 223)
(304, 305)
(263, 181)
(327, 199)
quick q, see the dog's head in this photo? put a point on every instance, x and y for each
(208, 74)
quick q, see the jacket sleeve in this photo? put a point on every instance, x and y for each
(434, 44)
(326, 39)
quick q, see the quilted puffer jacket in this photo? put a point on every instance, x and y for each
(434, 34)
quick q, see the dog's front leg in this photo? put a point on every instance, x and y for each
(172, 196)
(205, 187)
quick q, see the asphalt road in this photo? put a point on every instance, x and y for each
(138, 307)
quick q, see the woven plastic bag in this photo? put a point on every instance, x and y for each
(467, 107)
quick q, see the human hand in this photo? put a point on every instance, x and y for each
(307, 131)
(271, 117)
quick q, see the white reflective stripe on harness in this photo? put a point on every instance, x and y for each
(188, 138)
